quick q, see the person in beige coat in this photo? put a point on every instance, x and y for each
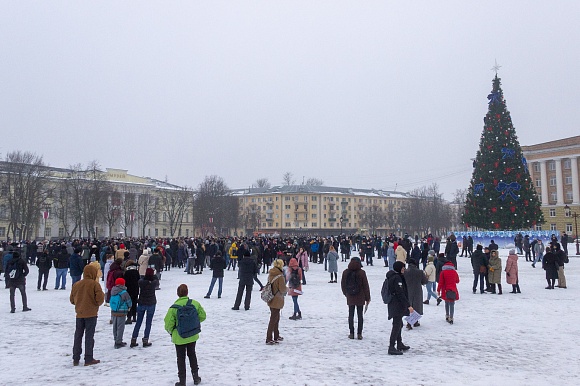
(401, 254)
(494, 272)
(143, 262)
(279, 289)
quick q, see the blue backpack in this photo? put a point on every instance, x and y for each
(188, 323)
(117, 304)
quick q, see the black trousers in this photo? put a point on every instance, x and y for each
(248, 299)
(359, 313)
(481, 277)
(182, 350)
(86, 327)
(396, 331)
(42, 273)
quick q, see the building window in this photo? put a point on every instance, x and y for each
(313, 198)
(325, 225)
(276, 225)
(568, 180)
(539, 197)
(537, 167)
(287, 215)
(313, 206)
(164, 232)
(263, 225)
(553, 195)
(552, 212)
(287, 198)
(277, 207)
(287, 225)
(552, 181)
(47, 231)
(286, 206)
(305, 225)
(569, 195)
(552, 165)
(2, 231)
(569, 228)
(314, 225)
(553, 227)
(156, 232)
(567, 164)
(187, 232)
(61, 232)
(538, 227)
(538, 183)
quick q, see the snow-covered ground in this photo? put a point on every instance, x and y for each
(526, 339)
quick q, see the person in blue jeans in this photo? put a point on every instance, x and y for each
(217, 265)
(61, 264)
(431, 274)
(61, 278)
(145, 305)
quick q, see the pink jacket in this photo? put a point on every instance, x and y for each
(511, 268)
(293, 264)
(302, 259)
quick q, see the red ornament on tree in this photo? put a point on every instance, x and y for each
(508, 170)
(496, 164)
(506, 134)
(498, 116)
(489, 129)
(496, 225)
(494, 209)
(526, 202)
(513, 209)
(495, 182)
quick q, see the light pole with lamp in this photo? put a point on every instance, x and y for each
(574, 215)
(341, 219)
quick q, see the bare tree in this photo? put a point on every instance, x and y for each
(95, 196)
(26, 189)
(251, 218)
(128, 209)
(314, 181)
(373, 217)
(176, 203)
(425, 211)
(146, 210)
(211, 204)
(288, 179)
(262, 183)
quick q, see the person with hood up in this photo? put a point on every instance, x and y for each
(511, 271)
(294, 279)
(447, 289)
(120, 305)
(143, 262)
(279, 289)
(132, 278)
(115, 272)
(398, 307)
(86, 295)
(357, 296)
(415, 279)
(145, 304)
(332, 258)
(247, 270)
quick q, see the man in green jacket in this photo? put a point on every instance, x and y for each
(184, 346)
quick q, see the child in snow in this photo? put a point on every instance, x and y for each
(120, 304)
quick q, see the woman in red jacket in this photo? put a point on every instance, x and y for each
(447, 289)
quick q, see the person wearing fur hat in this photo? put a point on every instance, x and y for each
(279, 289)
(145, 304)
(398, 307)
(120, 303)
(143, 262)
(511, 271)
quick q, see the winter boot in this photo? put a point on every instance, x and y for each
(402, 347)
(394, 351)
(513, 291)
(499, 289)
(359, 336)
(518, 289)
(133, 343)
(196, 378)
(128, 321)
(492, 288)
(351, 336)
(299, 316)
(450, 320)
(293, 317)
(439, 300)
(426, 302)
(146, 342)
(409, 327)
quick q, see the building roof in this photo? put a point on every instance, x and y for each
(556, 144)
(311, 189)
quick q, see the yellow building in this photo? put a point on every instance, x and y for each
(320, 210)
(554, 170)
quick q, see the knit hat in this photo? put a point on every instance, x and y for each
(431, 258)
(512, 251)
(398, 266)
(431, 252)
(149, 272)
(120, 281)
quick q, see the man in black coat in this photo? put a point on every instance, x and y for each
(564, 242)
(15, 276)
(247, 270)
(44, 264)
(398, 307)
(132, 277)
(479, 264)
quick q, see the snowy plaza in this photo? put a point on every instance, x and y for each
(515, 339)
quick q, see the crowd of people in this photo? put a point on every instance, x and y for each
(131, 271)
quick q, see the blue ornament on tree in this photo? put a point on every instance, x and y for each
(508, 189)
(508, 153)
(525, 163)
(478, 189)
(494, 97)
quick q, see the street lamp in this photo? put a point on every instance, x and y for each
(341, 220)
(574, 215)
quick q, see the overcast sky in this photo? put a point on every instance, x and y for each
(369, 94)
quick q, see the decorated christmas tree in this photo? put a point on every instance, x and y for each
(501, 194)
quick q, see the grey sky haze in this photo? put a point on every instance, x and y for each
(372, 94)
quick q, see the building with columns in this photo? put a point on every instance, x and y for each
(554, 170)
